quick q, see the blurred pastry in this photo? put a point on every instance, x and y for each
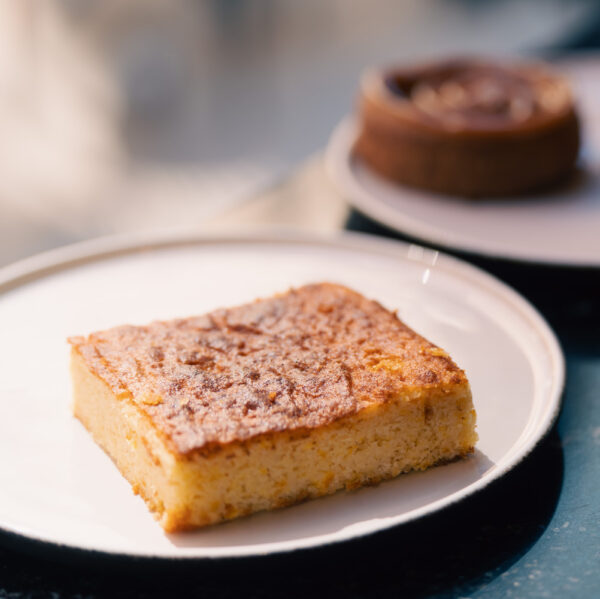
(469, 127)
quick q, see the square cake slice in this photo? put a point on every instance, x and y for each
(263, 405)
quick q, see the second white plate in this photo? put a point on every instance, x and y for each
(60, 488)
(560, 227)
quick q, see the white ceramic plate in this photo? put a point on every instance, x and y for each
(59, 487)
(560, 227)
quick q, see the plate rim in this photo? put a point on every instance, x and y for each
(63, 258)
(338, 166)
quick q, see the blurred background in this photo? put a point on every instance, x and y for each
(131, 115)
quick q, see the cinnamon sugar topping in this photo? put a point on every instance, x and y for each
(299, 360)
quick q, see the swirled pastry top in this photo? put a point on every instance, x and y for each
(471, 95)
(298, 360)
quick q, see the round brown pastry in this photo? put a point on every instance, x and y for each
(468, 127)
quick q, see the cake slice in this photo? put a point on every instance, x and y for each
(266, 404)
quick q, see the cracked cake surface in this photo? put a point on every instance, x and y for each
(302, 359)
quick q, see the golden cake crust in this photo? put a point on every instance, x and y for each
(301, 360)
